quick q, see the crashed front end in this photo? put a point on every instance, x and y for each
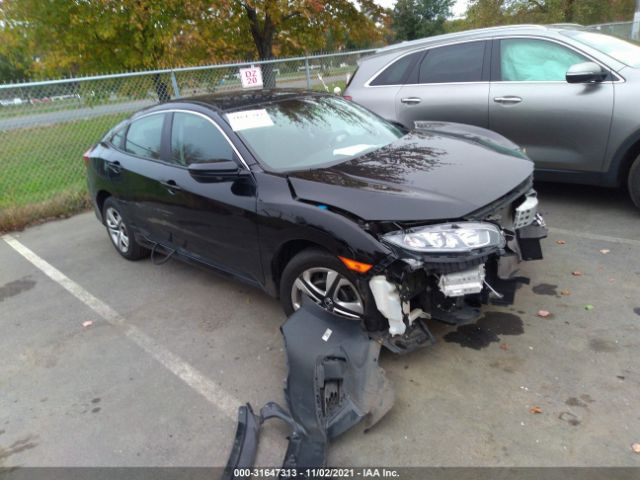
(447, 271)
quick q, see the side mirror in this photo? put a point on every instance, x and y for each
(215, 171)
(587, 72)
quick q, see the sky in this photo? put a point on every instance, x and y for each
(458, 9)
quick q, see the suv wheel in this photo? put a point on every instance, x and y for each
(323, 278)
(634, 182)
(120, 233)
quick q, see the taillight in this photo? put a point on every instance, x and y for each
(347, 97)
(86, 157)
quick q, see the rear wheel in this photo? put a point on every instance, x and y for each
(634, 182)
(120, 232)
(324, 279)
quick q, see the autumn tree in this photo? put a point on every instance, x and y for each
(484, 13)
(94, 36)
(285, 27)
(420, 18)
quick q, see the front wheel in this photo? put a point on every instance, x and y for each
(634, 182)
(120, 232)
(324, 279)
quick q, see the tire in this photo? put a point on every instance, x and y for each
(351, 299)
(120, 233)
(634, 182)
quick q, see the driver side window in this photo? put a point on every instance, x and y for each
(530, 60)
(195, 140)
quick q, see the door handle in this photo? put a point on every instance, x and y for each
(508, 100)
(171, 186)
(115, 167)
(411, 100)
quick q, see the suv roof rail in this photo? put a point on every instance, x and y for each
(566, 25)
(420, 41)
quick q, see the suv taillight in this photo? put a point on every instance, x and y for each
(347, 97)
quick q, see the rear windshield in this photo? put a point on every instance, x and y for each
(618, 49)
(310, 132)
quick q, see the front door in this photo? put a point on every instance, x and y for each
(215, 222)
(561, 125)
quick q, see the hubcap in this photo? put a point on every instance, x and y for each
(329, 289)
(117, 230)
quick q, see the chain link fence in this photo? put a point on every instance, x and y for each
(45, 127)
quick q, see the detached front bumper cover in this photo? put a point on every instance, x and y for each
(334, 383)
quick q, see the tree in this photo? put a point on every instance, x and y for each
(14, 60)
(420, 18)
(94, 36)
(484, 13)
(284, 27)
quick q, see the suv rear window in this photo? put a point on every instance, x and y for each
(397, 72)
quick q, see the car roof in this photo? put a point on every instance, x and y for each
(480, 33)
(243, 99)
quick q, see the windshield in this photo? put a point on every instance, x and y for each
(621, 50)
(310, 132)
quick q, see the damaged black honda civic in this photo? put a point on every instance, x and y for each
(305, 194)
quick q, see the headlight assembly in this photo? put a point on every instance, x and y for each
(459, 237)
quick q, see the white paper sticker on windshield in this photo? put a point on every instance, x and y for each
(249, 119)
(352, 150)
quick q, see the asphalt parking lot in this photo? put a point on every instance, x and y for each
(172, 350)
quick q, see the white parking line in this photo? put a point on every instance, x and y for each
(595, 236)
(226, 402)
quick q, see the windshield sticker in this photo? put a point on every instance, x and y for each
(352, 150)
(249, 119)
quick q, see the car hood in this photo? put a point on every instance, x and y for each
(443, 172)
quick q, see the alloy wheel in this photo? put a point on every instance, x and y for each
(117, 230)
(329, 289)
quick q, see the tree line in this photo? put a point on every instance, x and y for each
(52, 38)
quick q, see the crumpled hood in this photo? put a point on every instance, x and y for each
(441, 171)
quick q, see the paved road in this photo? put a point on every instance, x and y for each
(48, 118)
(125, 391)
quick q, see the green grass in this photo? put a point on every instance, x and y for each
(41, 169)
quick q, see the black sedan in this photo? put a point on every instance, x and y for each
(308, 195)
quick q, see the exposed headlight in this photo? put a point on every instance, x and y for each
(448, 237)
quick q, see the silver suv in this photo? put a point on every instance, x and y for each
(569, 97)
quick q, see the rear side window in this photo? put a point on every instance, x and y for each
(530, 60)
(455, 63)
(397, 72)
(144, 136)
(195, 140)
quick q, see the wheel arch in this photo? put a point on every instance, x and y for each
(286, 252)
(101, 197)
(623, 159)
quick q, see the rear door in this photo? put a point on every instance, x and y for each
(449, 83)
(138, 168)
(561, 125)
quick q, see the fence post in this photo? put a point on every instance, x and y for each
(308, 72)
(635, 26)
(174, 83)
